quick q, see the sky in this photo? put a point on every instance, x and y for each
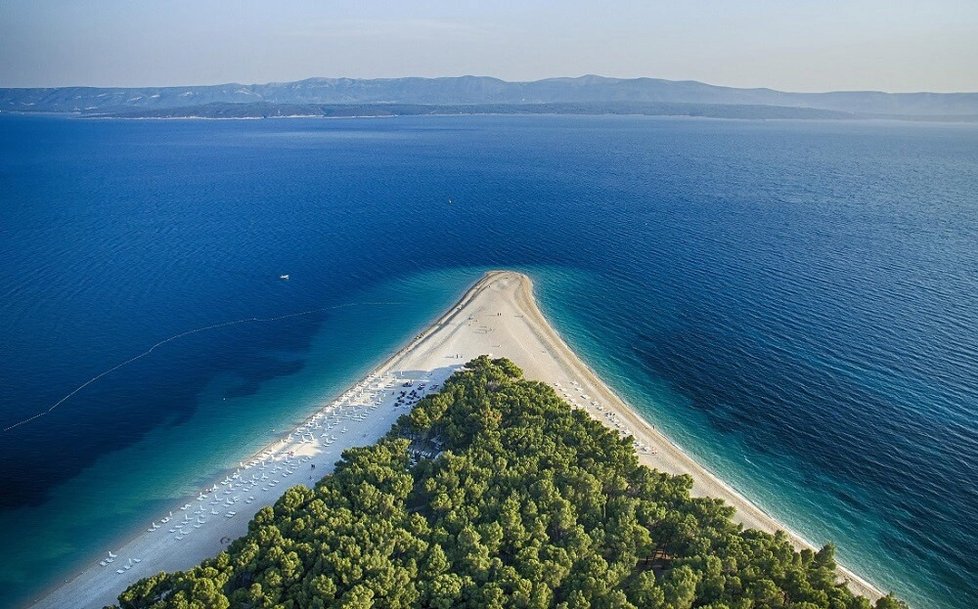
(794, 45)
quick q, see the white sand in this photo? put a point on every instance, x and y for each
(497, 316)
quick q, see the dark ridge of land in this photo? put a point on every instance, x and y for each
(267, 110)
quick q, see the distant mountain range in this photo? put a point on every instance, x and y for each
(480, 94)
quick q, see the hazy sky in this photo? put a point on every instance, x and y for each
(794, 45)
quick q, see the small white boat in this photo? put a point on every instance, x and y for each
(284, 277)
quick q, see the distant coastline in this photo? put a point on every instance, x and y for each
(589, 95)
(255, 111)
(265, 110)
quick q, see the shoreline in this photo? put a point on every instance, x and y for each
(57, 593)
(678, 461)
(497, 315)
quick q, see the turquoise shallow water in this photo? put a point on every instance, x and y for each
(112, 498)
(793, 302)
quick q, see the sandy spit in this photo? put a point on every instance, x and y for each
(496, 316)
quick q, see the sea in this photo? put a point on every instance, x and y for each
(795, 303)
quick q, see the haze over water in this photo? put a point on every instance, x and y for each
(793, 302)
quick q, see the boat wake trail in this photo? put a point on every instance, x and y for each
(225, 324)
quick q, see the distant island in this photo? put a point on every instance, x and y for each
(347, 97)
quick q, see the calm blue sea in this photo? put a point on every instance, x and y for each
(795, 303)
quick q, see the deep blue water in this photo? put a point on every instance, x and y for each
(796, 303)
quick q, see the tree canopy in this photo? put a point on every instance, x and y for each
(494, 493)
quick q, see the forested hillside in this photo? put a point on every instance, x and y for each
(495, 493)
